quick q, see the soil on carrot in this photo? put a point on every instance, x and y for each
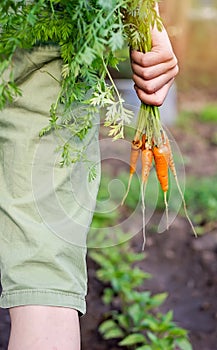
(181, 265)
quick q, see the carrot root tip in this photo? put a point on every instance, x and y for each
(167, 210)
(143, 187)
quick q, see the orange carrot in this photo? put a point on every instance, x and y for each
(147, 156)
(136, 146)
(161, 158)
(134, 155)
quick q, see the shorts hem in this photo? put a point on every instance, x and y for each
(43, 297)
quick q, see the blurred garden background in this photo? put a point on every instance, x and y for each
(165, 297)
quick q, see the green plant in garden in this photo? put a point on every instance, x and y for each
(134, 319)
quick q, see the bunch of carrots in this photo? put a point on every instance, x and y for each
(163, 159)
(150, 141)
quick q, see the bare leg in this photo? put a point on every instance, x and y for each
(38, 327)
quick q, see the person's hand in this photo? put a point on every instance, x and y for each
(154, 71)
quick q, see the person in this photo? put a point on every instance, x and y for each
(43, 274)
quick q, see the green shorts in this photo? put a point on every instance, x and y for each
(45, 210)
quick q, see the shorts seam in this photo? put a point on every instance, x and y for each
(51, 298)
(48, 291)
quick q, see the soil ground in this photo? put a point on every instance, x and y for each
(183, 266)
